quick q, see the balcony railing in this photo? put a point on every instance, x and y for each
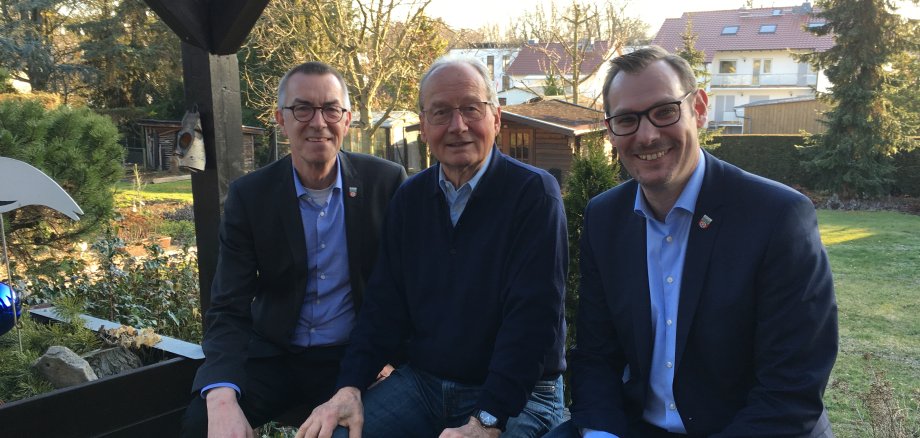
(764, 80)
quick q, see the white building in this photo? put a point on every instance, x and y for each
(750, 56)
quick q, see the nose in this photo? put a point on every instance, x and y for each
(457, 123)
(318, 121)
(647, 132)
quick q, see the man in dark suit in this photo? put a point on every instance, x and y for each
(706, 303)
(297, 243)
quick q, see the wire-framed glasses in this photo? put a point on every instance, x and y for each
(661, 115)
(441, 115)
(304, 113)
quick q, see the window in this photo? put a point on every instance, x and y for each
(729, 30)
(520, 144)
(767, 28)
(727, 66)
(767, 65)
(815, 24)
(490, 62)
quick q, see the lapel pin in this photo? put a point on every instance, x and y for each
(704, 222)
(352, 192)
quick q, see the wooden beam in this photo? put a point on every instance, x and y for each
(189, 19)
(231, 21)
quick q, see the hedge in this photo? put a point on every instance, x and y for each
(776, 156)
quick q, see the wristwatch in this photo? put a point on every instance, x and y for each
(486, 419)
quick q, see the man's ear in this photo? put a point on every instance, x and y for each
(279, 118)
(701, 108)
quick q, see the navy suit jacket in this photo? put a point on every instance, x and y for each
(261, 277)
(756, 321)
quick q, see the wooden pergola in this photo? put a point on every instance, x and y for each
(150, 401)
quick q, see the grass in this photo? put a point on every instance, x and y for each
(875, 258)
(127, 192)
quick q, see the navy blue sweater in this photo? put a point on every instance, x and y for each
(478, 303)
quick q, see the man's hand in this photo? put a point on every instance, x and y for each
(225, 418)
(343, 409)
(471, 430)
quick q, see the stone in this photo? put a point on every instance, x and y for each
(112, 361)
(62, 367)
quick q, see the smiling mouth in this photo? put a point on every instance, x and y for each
(317, 139)
(651, 157)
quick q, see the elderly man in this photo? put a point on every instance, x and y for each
(706, 303)
(470, 281)
(297, 243)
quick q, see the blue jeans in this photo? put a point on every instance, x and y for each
(412, 403)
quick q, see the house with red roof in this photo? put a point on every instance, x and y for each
(749, 54)
(536, 61)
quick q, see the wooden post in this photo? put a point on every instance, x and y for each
(212, 82)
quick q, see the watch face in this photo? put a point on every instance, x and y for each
(487, 419)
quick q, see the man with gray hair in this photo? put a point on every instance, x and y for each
(706, 306)
(298, 240)
(470, 281)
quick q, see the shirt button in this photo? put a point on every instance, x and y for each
(669, 239)
(669, 365)
(670, 279)
(317, 301)
(322, 213)
(322, 246)
(669, 322)
(672, 407)
(312, 330)
(322, 276)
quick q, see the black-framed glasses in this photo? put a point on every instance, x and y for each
(304, 113)
(660, 116)
(441, 115)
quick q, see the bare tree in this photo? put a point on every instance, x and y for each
(380, 46)
(567, 37)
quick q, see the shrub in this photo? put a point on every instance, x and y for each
(75, 147)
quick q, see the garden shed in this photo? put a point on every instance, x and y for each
(158, 138)
(546, 134)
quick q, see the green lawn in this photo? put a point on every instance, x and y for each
(875, 258)
(180, 191)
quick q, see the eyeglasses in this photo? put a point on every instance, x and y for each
(471, 112)
(665, 114)
(304, 113)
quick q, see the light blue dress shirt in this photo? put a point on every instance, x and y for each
(457, 198)
(666, 247)
(328, 312)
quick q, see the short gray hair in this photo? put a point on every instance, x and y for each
(447, 60)
(635, 62)
(312, 68)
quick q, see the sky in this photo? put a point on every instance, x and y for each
(476, 13)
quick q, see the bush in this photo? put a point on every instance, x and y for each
(75, 147)
(158, 291)
(770, 156)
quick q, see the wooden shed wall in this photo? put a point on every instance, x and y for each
(785, 118)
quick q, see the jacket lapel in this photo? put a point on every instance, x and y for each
(703, 233)
(635, 274)
(290, 213)
(352, 192)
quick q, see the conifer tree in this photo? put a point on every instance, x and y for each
(853, 157)
(697, 60)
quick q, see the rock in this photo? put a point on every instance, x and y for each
(62, 367)
(112, 361)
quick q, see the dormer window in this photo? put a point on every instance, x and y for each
(777, 12)
(730, 30)
(815, 24)
(767, 28)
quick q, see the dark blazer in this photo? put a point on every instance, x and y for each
(756, 321)
(259, 286)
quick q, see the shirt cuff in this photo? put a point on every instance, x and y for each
(220, 385)
(588, 433)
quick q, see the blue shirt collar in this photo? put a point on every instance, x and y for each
(687, 199)
(301, 190)
(473, 181)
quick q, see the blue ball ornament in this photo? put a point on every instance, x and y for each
(7, 307)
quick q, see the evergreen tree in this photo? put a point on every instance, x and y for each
(853, 157)
(592, 173)
(697, 60)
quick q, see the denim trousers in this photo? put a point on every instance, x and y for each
(412, 403)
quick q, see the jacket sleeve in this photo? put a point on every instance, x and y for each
(795, 342)
(597, 362)
(229, 318)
